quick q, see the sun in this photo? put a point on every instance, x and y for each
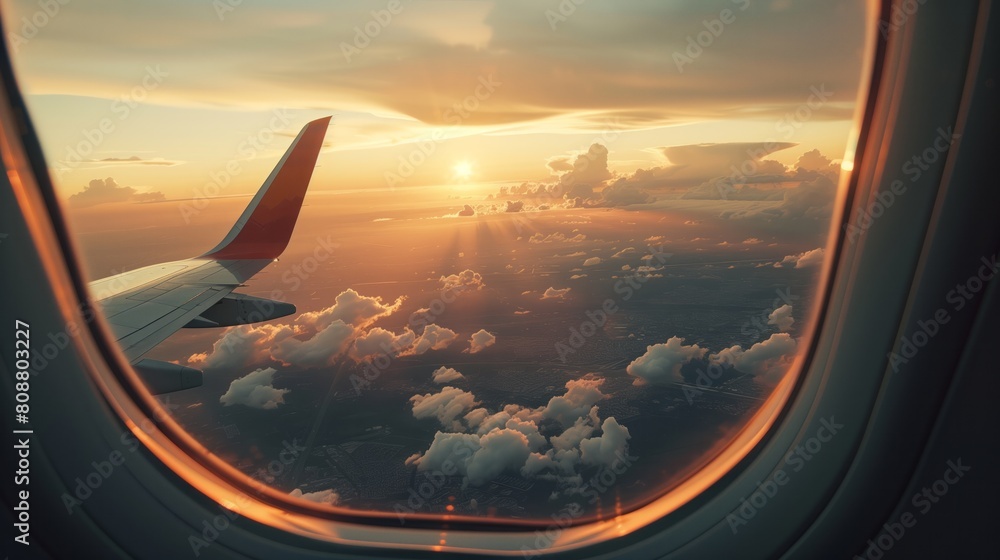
(462, 170)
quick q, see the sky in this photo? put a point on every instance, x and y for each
(540, 154)
(161, 96)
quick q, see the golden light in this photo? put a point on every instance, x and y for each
(462, 170)
(847, 165)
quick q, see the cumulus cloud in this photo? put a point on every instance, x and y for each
(812, 199)
(606, 448)
(781, 317)
(242, 346)
(108, 191)
(446, 375)
(448, 406)
(803, 260)
(434, 337)
(466, 280)
(514, 206)
(467, 211)
(314, 338)
(586, 169)
(769, 358)
(322, 497)
(555, 293)
(351, 308)
(592, 261)
(254, 390)
(481, 340)
(511, 440)
(581, 395)
(662, 362)
(623, 252)
(317, 350)
(379, 341)
(816, 162)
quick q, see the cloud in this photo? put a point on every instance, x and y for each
(446, 375)
(623, 252)
(768, 359)
(555, 293)
(514, 206)
(315, 338)
(816, 162)
(131, 160)
(322, 497)
(605, 449)
(781, 317)
(812, 199)
(581, 395)
(465, 280)
(242, 346)
(434, 337)
(499, 450)
(662, 362)
(351, 308)
(481, 340)
(586, 169)
(254, 390)
(592, 261)
(510, 440)
(447, 405)
(803, 260)
(556, 238)
(380, 341)
(623, 195)
(108, 191)
(318, 350)
(467, 211)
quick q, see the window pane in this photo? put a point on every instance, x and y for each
(553, 255)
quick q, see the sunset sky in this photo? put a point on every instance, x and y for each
(547, 157)
(182, 86)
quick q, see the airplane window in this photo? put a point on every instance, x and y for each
(507, 260)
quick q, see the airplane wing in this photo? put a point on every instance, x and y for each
(145, 306)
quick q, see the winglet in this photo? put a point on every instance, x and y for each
(264, 228)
